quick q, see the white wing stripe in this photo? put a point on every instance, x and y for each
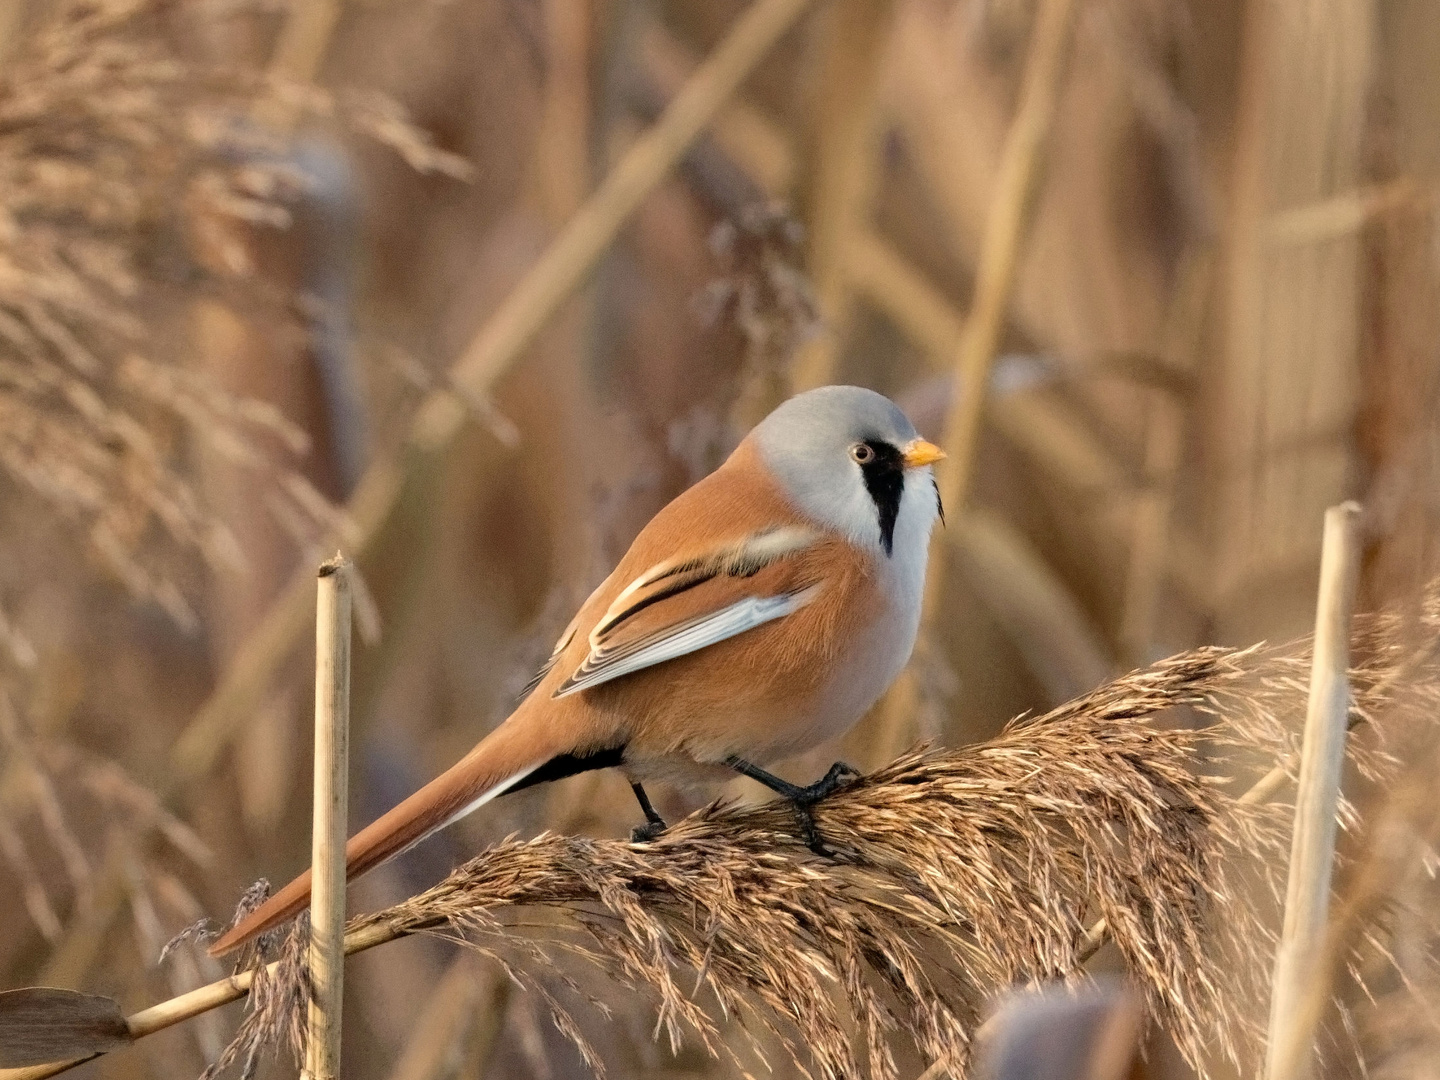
(726, 623)
(748, 556)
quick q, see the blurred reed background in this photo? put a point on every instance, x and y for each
(1162, 274)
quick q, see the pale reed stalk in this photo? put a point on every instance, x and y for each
(331, 799)
(1288, 1053)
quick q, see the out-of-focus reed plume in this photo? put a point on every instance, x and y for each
(51, 782)
(118, 158)
(762, 289)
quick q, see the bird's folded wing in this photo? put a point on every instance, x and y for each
(682, 605)
(550, 662)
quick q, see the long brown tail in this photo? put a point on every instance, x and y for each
(500, 761)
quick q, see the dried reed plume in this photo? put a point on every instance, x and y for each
(52, 783)
(279, 998)
(765, 294)
(130, 176)
(961, 873)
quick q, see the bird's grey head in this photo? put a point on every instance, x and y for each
(851, 460)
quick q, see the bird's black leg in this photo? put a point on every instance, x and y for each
(654, 823)
(801, 798)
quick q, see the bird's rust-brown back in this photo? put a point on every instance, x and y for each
(756, 694)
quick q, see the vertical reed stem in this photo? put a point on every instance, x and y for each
(845, 171)
(1006, 228)
(332, 763)
(1164, 445)
(1312, 850)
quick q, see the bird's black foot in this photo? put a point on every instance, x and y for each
(839, 775)
(802, 798)
(654, 823)
(643, 834)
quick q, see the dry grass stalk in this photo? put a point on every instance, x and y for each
(331, 819)
(1312, 852)
(845, 170)
(1007, 225)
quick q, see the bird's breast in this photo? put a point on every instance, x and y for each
(872, 658)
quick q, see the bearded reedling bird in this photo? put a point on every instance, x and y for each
(759, 614)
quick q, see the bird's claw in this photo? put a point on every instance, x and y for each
(802, 800)
(643, 834)
(839, 775)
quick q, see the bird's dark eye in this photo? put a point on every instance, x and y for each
(862, 453)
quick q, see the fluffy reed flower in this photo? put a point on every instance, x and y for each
(129, 177)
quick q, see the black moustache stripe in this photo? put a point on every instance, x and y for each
(884, 477)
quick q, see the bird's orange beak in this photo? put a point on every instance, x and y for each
(919, 452)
